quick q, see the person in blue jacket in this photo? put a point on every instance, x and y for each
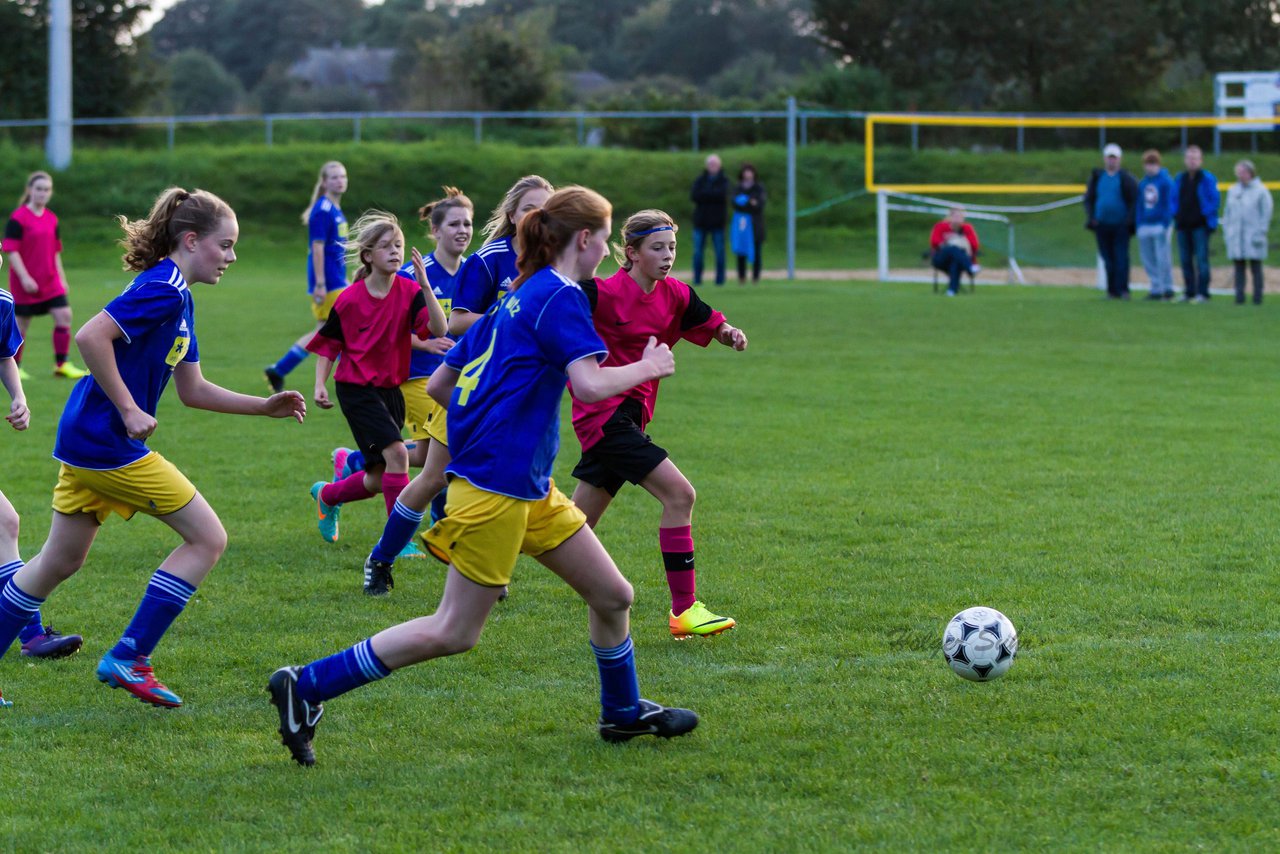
(1196, 202)
(1155, 215)
(1110, 204)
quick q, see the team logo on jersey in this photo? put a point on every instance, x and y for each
(181, 344)
(506, 285)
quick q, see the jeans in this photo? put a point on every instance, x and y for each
(1255, 267)
(1153, 247)
(953, 261)
(699, 243)
(1113, 248)
(1193, 249)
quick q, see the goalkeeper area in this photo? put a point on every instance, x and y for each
(1021, 182)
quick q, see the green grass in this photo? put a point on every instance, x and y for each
(879, 459)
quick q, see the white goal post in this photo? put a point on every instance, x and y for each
(889, 200)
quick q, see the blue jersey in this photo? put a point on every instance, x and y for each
(421, 363)
(327, 224)
(486, 276)
(504, 416)
(10, 337)
(157, 316)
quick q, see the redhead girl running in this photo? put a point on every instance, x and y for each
(143, 337)
(33, 242)
(638, 303)
(503, 383)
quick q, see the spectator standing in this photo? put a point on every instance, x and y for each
(748, 222)
(954, 245)
(1195, 218)
(1246, 219)
(710, 195)
(1155, 215)
(1110, 203)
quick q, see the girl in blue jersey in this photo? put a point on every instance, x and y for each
(504, 382)
(132, 347)
(326, 262)
(38, 640)
(488, 274)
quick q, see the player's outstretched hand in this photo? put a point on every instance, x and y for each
(138, 424)
(438, 346)
(660, 357)
(19, 416)
(286, 404)
(322, 398)
(731, 336)
(419, 266)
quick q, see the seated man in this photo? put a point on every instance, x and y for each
(954, 245)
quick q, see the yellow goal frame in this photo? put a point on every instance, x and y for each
(874, 119)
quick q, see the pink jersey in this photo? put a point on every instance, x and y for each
(371, 334)
(36, 240)
(625, 316)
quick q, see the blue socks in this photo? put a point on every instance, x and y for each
(329, 677)
(164, 600)
(290, 360)
(36, 625)
(16, 610)
(400, 528)
(437, 505)
(619, 688)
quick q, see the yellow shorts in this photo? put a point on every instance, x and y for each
(417, 408)
(438, 422)
(152, 485)
(484, 532)
(321, 309)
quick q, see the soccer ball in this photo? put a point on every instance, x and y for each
(980, 644)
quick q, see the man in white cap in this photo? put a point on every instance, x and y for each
(1111, 204)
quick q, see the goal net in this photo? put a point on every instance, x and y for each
(1021, 180)
(1011, 237)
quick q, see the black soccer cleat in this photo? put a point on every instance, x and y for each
(378, 580)
(654, 720)
(274, 379)
(298, 718)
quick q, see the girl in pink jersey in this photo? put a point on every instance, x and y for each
(36, 278)
(370, 327)
(639, 301)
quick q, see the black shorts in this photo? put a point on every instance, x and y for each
(375, 416)
(36, 309)
(625, 452)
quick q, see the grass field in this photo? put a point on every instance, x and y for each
(880, 458)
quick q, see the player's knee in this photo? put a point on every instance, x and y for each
(396, 457)
(682, 498)
(616, 599)
(9, 524)
(212, 540)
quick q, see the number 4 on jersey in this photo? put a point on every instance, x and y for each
(470, 376)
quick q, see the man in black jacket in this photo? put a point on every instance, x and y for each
(709, 193)
(1111, 206)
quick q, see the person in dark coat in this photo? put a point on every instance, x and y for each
(748, 205)
(709, 196)
(1111, 206)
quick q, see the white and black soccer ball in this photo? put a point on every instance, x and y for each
(980, 644)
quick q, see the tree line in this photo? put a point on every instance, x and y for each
(235, 55)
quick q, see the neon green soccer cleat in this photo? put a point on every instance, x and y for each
(69, 371)
(697, 621)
